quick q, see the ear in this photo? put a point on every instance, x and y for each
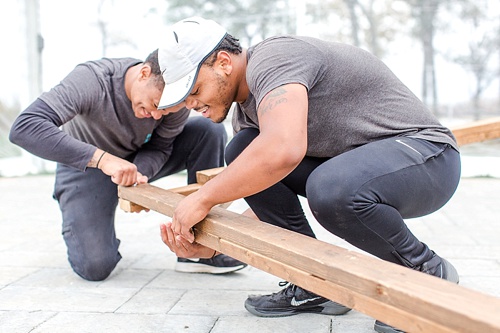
(145, 72)
(224, 62)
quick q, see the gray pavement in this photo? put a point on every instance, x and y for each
(40, 293)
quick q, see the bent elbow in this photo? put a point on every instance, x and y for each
(14, 134)
(20, 133)
(292, 156)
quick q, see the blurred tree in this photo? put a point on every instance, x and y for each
(425, 14)
(373, 24)
(248, 20)
(109, 37)
(351, 7)
(482, 45)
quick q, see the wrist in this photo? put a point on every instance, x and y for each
(99, 160)
(96, 157)
(204, 198)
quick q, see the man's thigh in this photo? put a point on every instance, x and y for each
(413, 175)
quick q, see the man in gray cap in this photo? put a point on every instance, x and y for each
(318, 119)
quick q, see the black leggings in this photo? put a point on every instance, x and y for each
(363, 195)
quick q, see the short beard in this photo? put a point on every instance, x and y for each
(223, 88)
(224, 115)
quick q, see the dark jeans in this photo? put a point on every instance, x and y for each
(88, 199)
(363, 195)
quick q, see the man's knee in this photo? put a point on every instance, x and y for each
(239, 142)
(96, 268)
(331, 201)
(91, 258)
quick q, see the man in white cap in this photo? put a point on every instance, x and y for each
(323, 120)
(112, 133)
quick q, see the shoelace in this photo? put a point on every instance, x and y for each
(288, 291)
(430, 267)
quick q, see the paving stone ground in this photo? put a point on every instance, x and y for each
(40, 293)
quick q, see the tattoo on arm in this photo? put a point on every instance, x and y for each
(273, 99)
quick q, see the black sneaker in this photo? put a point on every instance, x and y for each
(438, 267)
(220, 264)
(290, 301)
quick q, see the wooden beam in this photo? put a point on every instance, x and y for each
(477, 131)
(187, 189)
(130, 207)
(401, 297)
(204, 176)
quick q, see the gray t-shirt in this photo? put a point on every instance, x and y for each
(94, 109)
(354, 98)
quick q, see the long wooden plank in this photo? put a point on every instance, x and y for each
(477, 131)
(398, 296)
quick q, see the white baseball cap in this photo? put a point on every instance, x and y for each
(185, 46)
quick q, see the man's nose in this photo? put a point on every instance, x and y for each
(157, 114)
(190, 102)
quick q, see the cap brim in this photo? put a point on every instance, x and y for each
(176, 92)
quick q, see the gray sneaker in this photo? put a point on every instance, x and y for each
(438, 267)
(290, 301)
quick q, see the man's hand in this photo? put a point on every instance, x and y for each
(122, 172)
(182, 247)
(188, 212)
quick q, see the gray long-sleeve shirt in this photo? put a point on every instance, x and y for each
(92, 109)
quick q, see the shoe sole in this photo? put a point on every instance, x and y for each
(333, 309)
(384, 328)
(451, 272)
(202, 268)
